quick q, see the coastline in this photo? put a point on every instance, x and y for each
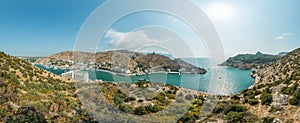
(142, 77)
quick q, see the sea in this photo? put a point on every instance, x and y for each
(235, 80)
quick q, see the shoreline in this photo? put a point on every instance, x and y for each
(158, 72)
(135, 74)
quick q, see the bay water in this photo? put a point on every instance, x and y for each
(236, 80)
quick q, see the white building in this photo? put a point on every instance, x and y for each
(77, 75)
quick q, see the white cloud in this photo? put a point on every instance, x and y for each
(283, 36)
(155, 39)
(129, 40)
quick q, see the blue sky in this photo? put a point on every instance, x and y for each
(41, 28)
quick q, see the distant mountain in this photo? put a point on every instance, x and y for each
(250, 61)
(67, 55)
(282, 53)
(29, 94)
(122, 59)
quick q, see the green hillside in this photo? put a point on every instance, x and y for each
(28, 94)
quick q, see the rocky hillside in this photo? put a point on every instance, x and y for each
(286, 68)
(67, 56)
(277, 88)
(250, 61)
(29, 94)
(274, 97)
(133, 61)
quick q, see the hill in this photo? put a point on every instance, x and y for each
(249, 61)
(277, 88)
(66, 56)
(124, 62)
(274, 97)
(29, 94)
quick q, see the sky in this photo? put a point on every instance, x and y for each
(41, 28)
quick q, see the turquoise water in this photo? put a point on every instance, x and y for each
(236, 80)
(52, 69)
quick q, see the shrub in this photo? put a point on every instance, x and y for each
(267, 119)
(234, 117)
(284, 90)
(140, 110)
(126, 108)
(187, 118)
(297, 93)
(153, 109)
(294, 101)
(253, 101)
(118, 100)
(235, 108)
(26, 114)
(266, 99)
(198, 102)
(235, 97)
(218, 109)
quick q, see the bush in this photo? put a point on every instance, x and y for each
(294, 101)
(26, 114)
(198, 102)
(187, 118)
(118, 100)
(140, 110)
(171, 96)
(235, 108)
(128, 99)
(235, 97)
(266, 99)
(218, 109)
(153, 109)
(284, 90)
(267, 119)
(297, 93)
(126, 108)
(234, 117)
(253, 101)
(290, 90)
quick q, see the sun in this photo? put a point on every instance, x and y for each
(220, 11)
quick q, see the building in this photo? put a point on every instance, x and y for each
(77, 75)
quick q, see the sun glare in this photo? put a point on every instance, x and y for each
(219, 11)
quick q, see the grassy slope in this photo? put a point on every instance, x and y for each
(31, 94)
